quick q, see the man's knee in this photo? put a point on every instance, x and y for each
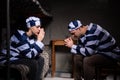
(78, 59)
(88, 61)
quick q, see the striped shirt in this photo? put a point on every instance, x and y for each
(96, 40)
(22, 46)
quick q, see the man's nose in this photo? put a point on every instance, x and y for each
(39, 28)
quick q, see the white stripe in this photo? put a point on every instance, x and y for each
(29, 55)
(83, 39)
(4, 51)
(28, 25)
(13, 53)
(105, 36)
(40, 44)
(37, 23)
(23, 47)
(14, 38)
(73, 51)
(14, 49)
(72, 25)
(90, 26)
(21, 32)
(98, 30)
(82, 51)
(13, 58)
(95, 42)
(90, 51)
(107, 44)
(31, 41)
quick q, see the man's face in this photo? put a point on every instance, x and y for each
(35, 30)
(76, 33)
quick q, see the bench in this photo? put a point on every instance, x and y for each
(17, 72)
(103, 71)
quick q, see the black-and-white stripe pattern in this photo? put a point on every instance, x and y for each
(21, 46)
(97, 40)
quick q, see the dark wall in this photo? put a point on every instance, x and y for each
(113, 18)
(103, 12)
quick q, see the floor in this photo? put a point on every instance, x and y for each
(58, 78)
(66, 76)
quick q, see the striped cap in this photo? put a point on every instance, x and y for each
(33, 21)
(74, 25)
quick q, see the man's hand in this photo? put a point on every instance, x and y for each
(41, 35)
(68, 42)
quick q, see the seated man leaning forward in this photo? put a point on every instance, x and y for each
(26, 47)
(95, 45)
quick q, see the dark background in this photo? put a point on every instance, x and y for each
(20, 10)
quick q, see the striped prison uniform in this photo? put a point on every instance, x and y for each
(97, 40)
(25, 50)
(21, 46)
